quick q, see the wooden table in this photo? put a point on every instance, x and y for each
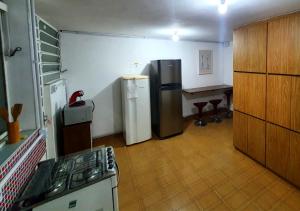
(222, 87)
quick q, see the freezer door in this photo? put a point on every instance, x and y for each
(171, 121)
(170, 72)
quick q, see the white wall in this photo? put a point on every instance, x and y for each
(20, 68)
(95, 63)
(228, 64)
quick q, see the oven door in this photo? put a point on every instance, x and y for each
(95, 197)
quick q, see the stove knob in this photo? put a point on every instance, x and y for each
(109, 157)
(110, 166)
(108, 149)
(109, 153)
(110, 162)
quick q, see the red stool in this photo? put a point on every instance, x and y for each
(215, 103)
(200, 122)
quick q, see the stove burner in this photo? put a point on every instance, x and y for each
(91, 156)
(86, 160)
(58, 187)
(77, 179)
(92, 174)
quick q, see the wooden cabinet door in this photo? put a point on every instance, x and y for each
(277, 149)
(240, 131)
(293, 44)
(255, 93)
(279, 100)
(284, 45)
(239, 92)
(257, 47)
(277, 48)
(294, 160)
(240, 49)
(249, 93)
(295, 104)
(257, 139)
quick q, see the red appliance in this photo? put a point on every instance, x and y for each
(73, 101)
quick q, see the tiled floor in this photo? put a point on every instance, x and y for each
(198, 170)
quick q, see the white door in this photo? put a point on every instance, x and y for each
(143, 110)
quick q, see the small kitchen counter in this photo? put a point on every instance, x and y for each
(8, 149)
(198, 90)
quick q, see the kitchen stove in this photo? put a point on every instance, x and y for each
(53, 181)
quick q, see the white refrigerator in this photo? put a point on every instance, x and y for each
(55, 98)
(136, 108)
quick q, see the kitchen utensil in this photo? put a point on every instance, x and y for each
(13, 132)
(16, 111)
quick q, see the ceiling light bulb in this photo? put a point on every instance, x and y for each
(175, 37)
(222, 7)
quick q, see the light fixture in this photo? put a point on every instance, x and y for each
(222, 8)
(175, 37)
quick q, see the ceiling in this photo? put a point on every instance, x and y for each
(196, 20)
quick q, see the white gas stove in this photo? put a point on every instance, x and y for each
(83, 181)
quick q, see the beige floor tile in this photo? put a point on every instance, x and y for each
(240, 180)
(267, 200)
(190, 207)
(128, 197)
(220, 207)
(198, 188)
(152, 198)
(236, 200)
(251, 207)
(217, 178)
(159, 206)
(134, 206)
(198, 169)
(283, 207)
(179, 200)
(224, 189)
(207, 200)
(281, 188)
(293, 200)
(172, 190)
(253, 188)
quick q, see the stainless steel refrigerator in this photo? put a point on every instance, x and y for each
(166, 97)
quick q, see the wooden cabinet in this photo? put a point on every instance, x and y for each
(295, 104)
(240, 131)
(249, 135)
(240, 49)
(240, 81)
(277, 149)
(266, 94)
(249, 92)
(257, 139)
(256, 95)
(249, 48)
(294, 159)
(257, 47)
(284, 45)
(77, 137)
(279, 100)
